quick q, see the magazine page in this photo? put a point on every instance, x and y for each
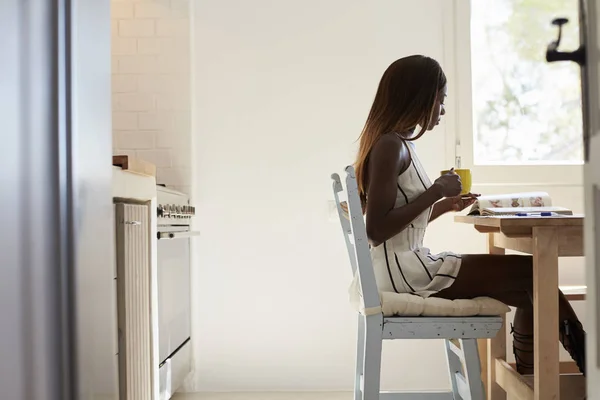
(524, 211)
(512, 200)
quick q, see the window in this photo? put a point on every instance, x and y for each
(513, 118)
(525, 111)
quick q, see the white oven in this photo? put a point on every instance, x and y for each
(173, 262)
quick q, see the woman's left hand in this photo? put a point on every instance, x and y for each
(459, 203)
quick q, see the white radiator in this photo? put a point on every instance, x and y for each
(133, 299)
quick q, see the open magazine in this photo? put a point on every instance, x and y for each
(514, 203)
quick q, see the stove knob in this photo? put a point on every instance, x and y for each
(159, 211)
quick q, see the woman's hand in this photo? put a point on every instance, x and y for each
(459, 203)
(455, 203)
(448, 185)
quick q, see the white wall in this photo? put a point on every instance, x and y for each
(151, 82)
(282, 91)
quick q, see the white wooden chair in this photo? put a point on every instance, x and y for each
(373, 327)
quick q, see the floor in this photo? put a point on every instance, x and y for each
(267, 396)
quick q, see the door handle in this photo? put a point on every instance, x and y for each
(133, 223)
(580, 57)
(552, 52)
(176, 235)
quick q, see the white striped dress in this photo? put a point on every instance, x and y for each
(402, 264)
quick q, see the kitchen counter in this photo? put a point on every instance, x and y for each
(132, 187)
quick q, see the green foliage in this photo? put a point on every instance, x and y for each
(532, 97)
(530, 29)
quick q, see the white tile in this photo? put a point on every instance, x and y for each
(134, 140)
(160, 158)
(175, 102)
(136, 28)
(124, 83)
(173, 27)
(166, 46)
(123, 46)
(155, 120)
(182, 155)
(156, 9)
(137, 64)
(133, 102)
(124, 120)
(165, 120)
(148, 46)
(157, 83)
(121, 10)
(174, 64)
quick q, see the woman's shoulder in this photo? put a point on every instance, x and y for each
(390, 141)
(393, 146)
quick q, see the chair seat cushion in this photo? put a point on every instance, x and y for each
(410, 305)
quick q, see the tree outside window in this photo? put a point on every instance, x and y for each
(525, 110)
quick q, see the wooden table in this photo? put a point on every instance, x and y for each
(546, 239)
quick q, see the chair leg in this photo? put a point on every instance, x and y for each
(372, 357)
(473, 368)
(454, 366)
(360, 357)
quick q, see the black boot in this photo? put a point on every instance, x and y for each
(523, 367)
(572, 336)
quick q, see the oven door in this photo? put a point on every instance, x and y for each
(173, 289)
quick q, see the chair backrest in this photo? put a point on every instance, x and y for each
(355, 236)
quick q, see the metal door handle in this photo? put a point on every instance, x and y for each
(134, 223)
(176, 235)
(579, 56)
(553, 54)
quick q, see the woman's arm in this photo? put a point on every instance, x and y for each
(457, 203)
(388, 159)
(440, 208)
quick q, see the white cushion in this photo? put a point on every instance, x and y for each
(410, 305)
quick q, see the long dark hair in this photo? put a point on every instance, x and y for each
(405, 99)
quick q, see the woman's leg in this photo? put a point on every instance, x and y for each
(509, 278)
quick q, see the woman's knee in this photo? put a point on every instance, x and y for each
(522, 271)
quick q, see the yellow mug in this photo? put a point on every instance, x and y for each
(465, 177)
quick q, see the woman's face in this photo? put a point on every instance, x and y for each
(438, 108)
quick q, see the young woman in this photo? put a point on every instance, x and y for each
(400, 201)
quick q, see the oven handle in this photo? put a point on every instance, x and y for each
(176, 235)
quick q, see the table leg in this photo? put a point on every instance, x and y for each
(496, 347)
(545, 309)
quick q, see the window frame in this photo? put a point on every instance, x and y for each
(460, 116)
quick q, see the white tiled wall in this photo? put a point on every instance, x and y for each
(151, 85)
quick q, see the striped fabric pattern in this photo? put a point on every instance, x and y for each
(402, 264)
